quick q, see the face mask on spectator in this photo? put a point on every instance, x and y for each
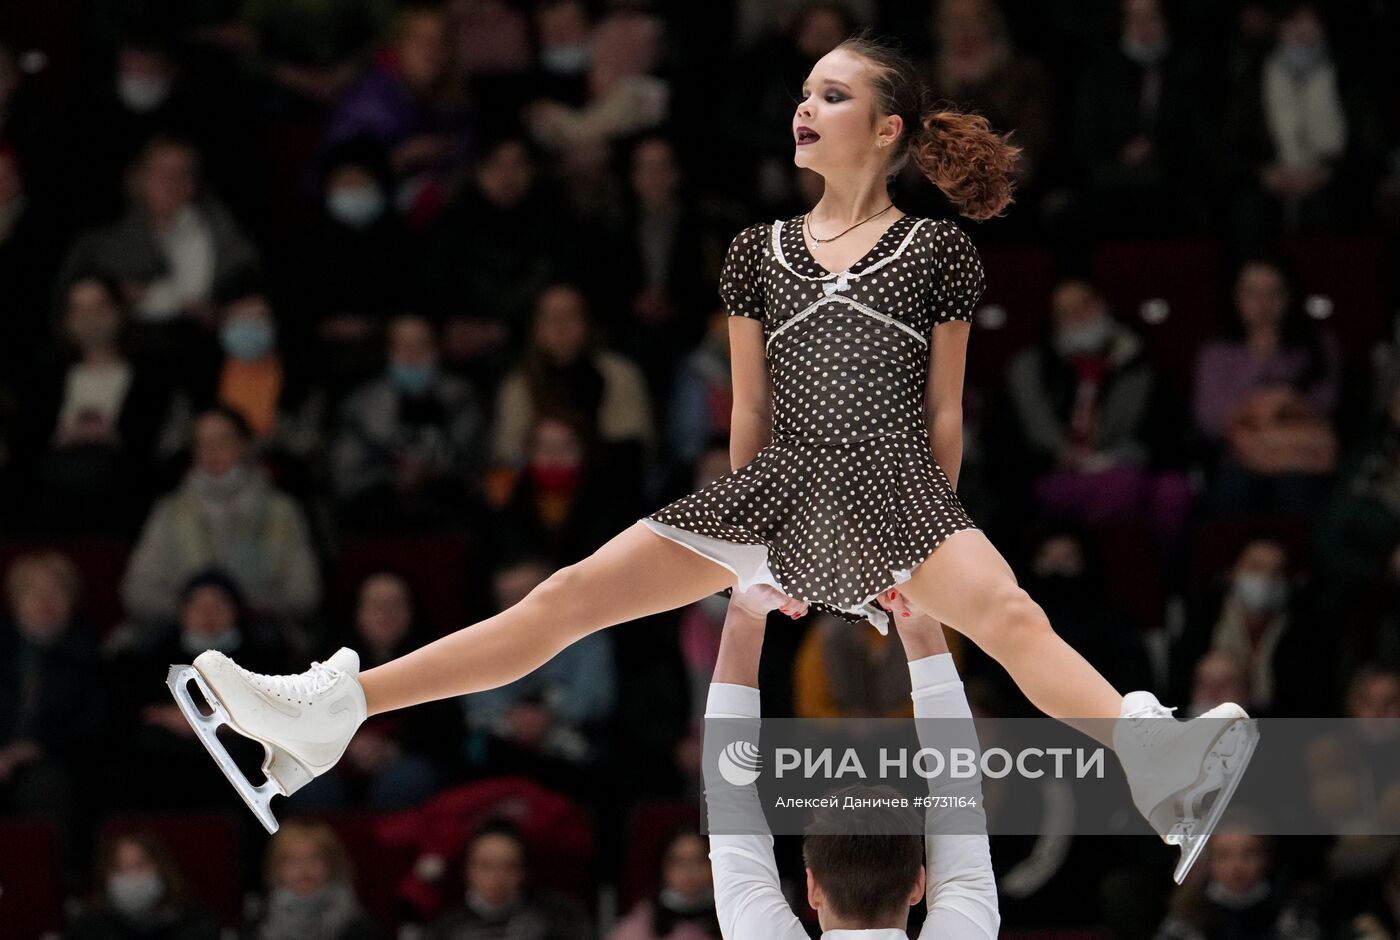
(412, 379)
(225, 641)
(246, 339)
(1082, 338)
(678, 903)
(1146, 54)
(1236, 902)
(356, 207)
(219, 487)
(135, 894)
(1260, 594)
(142, 93)
(569, 59)
(1301, 57)
(485, 909)
(91, 333)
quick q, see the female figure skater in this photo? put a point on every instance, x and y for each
(849, 331)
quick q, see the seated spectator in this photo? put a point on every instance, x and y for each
(1219, 677)
(226, 515)
(547, 724)
(1265, 397)
(662, 284)
(50, 700)
(499, 901)
(1239, 897)
(139, 892)
(1291, 133)
(566, 501)
(1139, 130)
(411, 102)
(310, 888)
(172, 252)
(1382, 920)
(212, 614)
(1090, 408)
(684, 906)
(1260, 619)
(93, 416)
(391, 763)
(407, 452)
(565, 369)
(352, 278)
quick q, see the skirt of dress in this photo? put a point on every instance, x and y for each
(831, 524)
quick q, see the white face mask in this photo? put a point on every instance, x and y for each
(1260, 594)
(142, 93)
(225, 642)
(569, 59)
(356, 207)
(135, 894)
(673, 900)
(1146, 54)
(220, 487)
(1083, 338)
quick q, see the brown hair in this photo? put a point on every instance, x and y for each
(54, 563)
(959, 153)
(322, 838)
(865, 862)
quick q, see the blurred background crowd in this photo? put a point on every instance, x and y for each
(334, 322)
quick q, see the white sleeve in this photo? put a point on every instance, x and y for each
(748, 897)
(962, 890)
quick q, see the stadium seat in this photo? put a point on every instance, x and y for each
(205, 847)
(1132, 570)
(647, 828)
(30, 905)
(1350, 272)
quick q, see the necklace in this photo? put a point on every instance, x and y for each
(807, 221)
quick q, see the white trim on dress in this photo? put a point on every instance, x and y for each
(856, 305)
(777, 229)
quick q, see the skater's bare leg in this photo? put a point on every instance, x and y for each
(968, 585)
(636, 574)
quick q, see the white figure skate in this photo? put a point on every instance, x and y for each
(1172, 766)
(303, 722)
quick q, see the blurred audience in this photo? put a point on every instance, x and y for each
(224, 514)
(845, 673)
(310, 888)
(683, 907)
(138, 893)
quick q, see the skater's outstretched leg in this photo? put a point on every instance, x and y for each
(636, 574)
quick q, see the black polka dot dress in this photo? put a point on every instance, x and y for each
(847, 499)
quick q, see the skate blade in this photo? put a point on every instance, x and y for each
(1194, 842)
(258, 798)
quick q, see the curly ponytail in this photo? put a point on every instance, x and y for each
(959, 153)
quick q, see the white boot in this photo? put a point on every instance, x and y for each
(304, 722)
(1172, 766)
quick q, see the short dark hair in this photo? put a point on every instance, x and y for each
(865, 861)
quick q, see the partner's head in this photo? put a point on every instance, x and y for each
(865, 868)
(864, 109)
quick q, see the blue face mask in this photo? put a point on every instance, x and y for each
(1301, 57)
(412, 379)
(568, 59)
(356, 207)
(247, 340)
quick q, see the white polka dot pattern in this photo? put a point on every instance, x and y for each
(848, 494)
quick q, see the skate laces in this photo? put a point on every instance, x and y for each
(306, 685)
(1155, 724)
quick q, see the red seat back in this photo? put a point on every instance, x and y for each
(31, 902)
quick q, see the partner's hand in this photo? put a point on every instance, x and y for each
(897, 604)
(760, 599)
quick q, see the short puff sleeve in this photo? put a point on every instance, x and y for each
(741, 278)
(957, 270)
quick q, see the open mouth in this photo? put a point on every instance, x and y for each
(805, 135)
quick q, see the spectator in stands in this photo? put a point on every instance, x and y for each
(227, 515)
(1260, 618)
(92, 416)
(1291, 133)
(412, 103)
(842, 673)
(172, 252)
(1239, 897)
(1090, 408)
(268, 387)
(661, 287)
(1140, 131)
(547, 724)
(1382, 920)
(1220, 676)
(391, 764)
(499, 900)
(684, 906)
(977, 67)
(50, 698)
(353, 275)
(702, 397)
(407, 453)
(565, 369)
(139, 892)
(312, 50)
(1265, 397)
(310, 888)
(567, 499)
(493, 43)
